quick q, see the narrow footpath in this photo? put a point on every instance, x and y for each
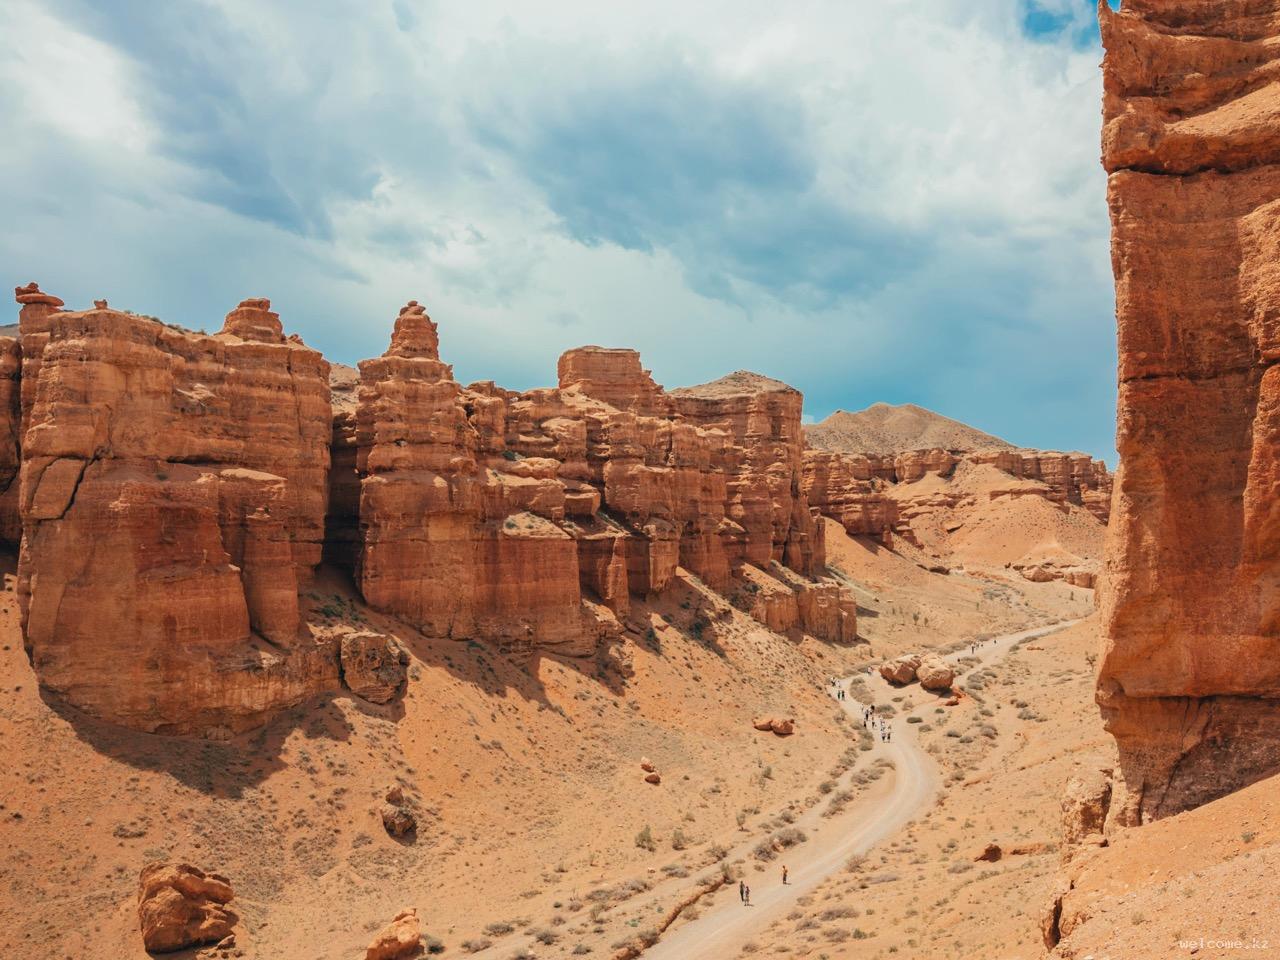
(723, 927)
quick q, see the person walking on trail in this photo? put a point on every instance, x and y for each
(784, 874)
(742, 891)
(746, 895)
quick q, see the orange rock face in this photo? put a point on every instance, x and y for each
(1189, 683)
(459, 539)
(10, 439)
(176, 491)
(530, 519)
(401, 938)
(870, 493)
(172, 497)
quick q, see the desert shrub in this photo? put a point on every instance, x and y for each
(645, 841)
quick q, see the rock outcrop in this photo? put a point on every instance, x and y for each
(872, 494)
(462, 535)
(529, 519)
(782, 726)
(1085, 804)
(1189, 682)
(181, 906)
(373, 665)
(934, 673)
(398, 940)
(172, 502)
(901, 670)
(10, 439)
(175, 492)
(398, 813)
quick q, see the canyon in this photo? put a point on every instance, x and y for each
(377, 620)
(304, 659)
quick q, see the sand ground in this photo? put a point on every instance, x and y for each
(537, 832)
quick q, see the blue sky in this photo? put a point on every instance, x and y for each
(895, 201)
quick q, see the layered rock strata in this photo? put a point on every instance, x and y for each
(458, 538)
(174, 493)
(871, 493)
(1189, 683)
(529, 519)
(172, 496)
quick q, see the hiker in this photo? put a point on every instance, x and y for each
(746, 895)
(784, 874)
(742, 891)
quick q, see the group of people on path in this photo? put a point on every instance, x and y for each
(877, 724)
(837, 691)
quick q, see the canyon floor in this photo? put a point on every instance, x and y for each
(538, 836)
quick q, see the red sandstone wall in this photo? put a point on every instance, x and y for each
(1190, 678)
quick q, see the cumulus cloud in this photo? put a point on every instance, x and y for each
(893, 201)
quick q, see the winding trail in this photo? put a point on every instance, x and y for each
(723, 927)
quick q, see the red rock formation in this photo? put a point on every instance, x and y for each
(399, 940)
(176, 495)
(342, 521)
(851, 490)
(546, 510)
(181, 906)
(462, 536)
(870, 494)
(1189, 683)
(763, 465)
(10, 439)
(615, 377)
(172, 487)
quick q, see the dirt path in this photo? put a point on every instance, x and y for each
(722, 928)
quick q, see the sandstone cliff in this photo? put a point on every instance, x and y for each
(1190, 678)
(172, 497)
(860, 468)
(529, 519)
(174, 493)
(903, 494)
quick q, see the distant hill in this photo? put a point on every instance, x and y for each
(735, 384)
(885, 428)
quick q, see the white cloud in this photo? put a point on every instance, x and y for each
(894, 200)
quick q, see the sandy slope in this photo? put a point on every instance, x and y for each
(904, 607)
(916, 781)
(1005, 754)
(1199, 884)
(526, 771)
